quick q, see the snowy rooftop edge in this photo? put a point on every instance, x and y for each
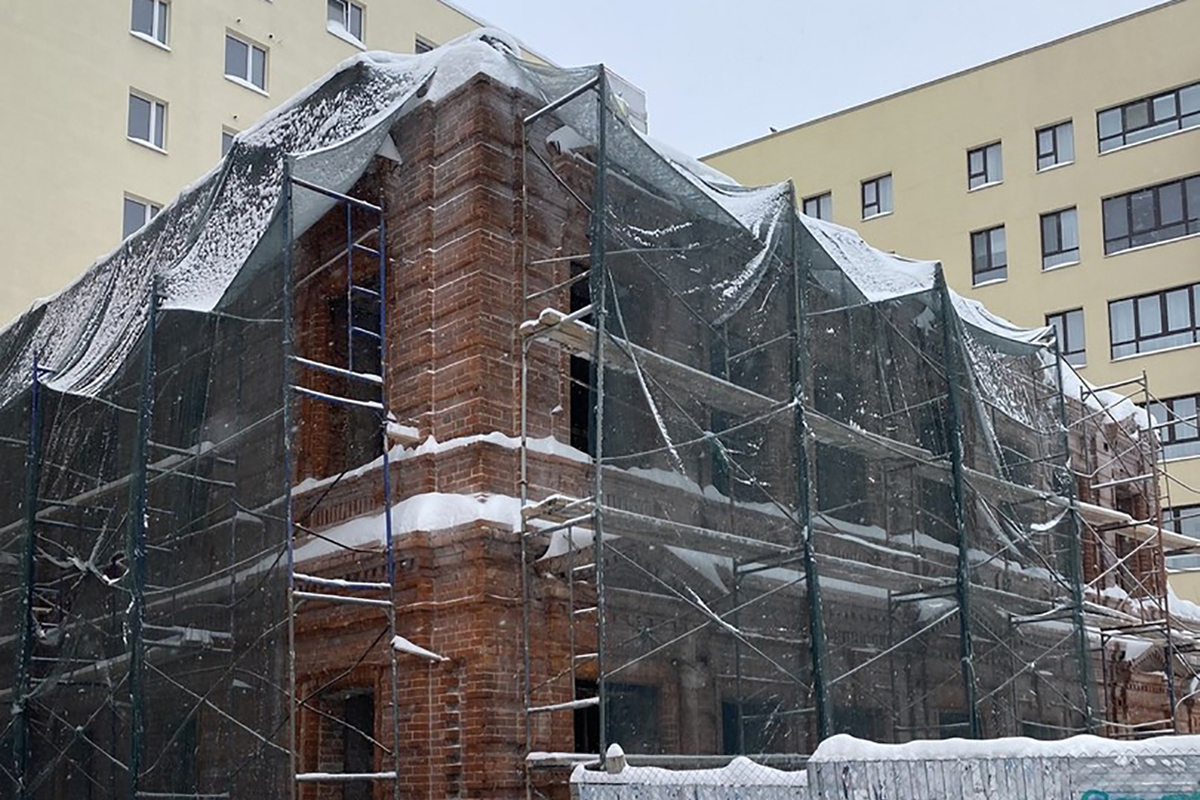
(741, 771)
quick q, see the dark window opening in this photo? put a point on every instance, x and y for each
(764, 729)
(582, 397)
(358, 756)
(632, 717)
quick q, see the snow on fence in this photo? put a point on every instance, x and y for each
(1079, 768)
(845, 768)
(740, 779)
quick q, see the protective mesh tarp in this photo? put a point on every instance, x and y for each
(765, 382)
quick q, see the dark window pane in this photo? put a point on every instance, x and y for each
(164, 11)
(1045, 142)
(143, 16)
(999, 248)
(1189, 99)
(1179, 315)
(979, 251)
(160, 120)
(335, 11)
(1075, 330)
(1137, 115)
(139, 118)
(995, 163)
(236, 55)
(1120, 321)
(869, 193)
(1192, 192)
(1164, 107)
(356, 26)
(1050, 243)
(258, 70)
(885, 193)
(1142, 206)
(1070, 228)
(1170, 203)
(1115, 222)
(1109, 122)
(134, 217)
(1149, 316)
(1066, 142)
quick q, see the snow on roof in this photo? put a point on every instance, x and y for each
(195, 248)
(844, 747)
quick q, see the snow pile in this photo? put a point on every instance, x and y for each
(741, 771)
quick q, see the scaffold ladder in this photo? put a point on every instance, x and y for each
(370, 326)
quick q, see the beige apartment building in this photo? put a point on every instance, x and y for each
(113, 106)
(1059, 185)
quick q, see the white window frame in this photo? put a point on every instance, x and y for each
(150, 210)
(247, 80)
(158, 110)
(347, 19)
(160, 21)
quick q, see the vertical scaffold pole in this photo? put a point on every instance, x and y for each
(135, 553)
(1075, 554)
(963, 572)
(33, 468)
(598, 285)
(801, 383)
(288, 346)
(394, 666)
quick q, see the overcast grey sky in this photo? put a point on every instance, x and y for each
(718, 72)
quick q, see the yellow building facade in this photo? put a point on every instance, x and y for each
(115, 106)
(1057, 185)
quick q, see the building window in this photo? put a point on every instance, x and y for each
(137, 213)
(348, 15)
(245, 62)
(1149, 117)
(989, 256)
(877, 196)
(819, 206)
(1154, 321)
(1184, 520)
(1154, 214)
(1068, 328)
(227, 141)
(422, 45)
(1060, 238)
(147, 121)
(1055, 145)
(984, 166)
(1178, 429)
(150, 19)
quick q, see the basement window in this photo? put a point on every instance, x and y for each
(422, 45)
(245, 63)
(150, 18)
(344, 15)
(136, 214)
(147, 121)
